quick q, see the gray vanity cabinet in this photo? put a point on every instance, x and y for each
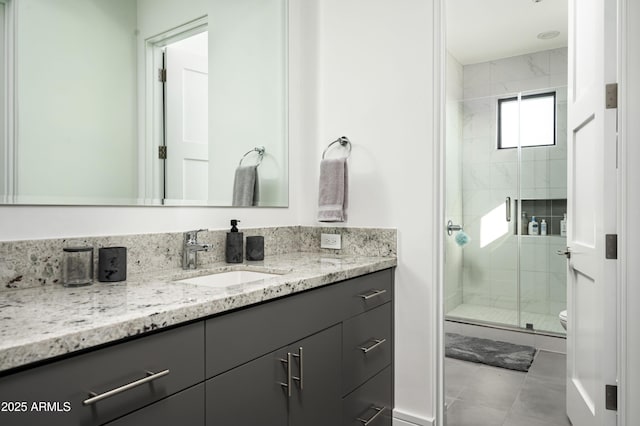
(321, 357)
(298, 385)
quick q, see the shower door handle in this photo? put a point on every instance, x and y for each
(507, 204)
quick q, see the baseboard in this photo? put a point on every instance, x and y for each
(404, 419)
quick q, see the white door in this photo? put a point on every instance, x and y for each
(591, 304)
(187, 165)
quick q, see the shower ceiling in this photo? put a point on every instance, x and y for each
(484, 30)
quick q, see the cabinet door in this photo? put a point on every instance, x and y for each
(315, 399)
(251, 394)
(183, 408)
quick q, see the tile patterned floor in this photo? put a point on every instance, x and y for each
(472, 312)
(480, 395)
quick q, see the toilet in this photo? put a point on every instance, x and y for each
(563, 319)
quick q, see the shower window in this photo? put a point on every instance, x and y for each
(530, 120)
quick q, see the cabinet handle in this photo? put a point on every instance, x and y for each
(377, 342)
(150, 377)
(507, 204)
(373, 293)
(379, 411)
(300, 356)
(288, 384)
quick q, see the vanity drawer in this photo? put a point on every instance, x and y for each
(236, 338)
(367, 292)
(366, 346)
(175, 356)
(372, 402)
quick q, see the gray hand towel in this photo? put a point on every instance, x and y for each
(245, 186)
(334, 190)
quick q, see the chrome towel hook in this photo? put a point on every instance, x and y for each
(451, 227)
(259, 149)
(343, 141)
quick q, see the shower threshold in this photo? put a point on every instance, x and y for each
(507, 327)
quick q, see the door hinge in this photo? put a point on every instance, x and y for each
(611, 397)
(611, 246)
(612, 95)
(162, 152)
(162, 75)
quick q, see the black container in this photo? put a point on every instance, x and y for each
(112, 264)
(255, 248)
(234, 248)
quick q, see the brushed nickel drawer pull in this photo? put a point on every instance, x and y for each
(150, 377)
(377, 342)
(300, 356)
(379, 411)
(373, 293)
(288, 384)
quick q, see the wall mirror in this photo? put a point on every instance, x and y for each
(143, 102)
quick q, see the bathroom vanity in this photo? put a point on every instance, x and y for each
(309, 347)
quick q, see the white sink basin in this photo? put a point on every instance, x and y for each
(229, 278)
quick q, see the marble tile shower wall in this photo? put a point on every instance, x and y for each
(33, 263)
(490, 175)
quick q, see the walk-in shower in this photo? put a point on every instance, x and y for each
(506, 163)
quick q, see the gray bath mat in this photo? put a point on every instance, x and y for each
(490, 352)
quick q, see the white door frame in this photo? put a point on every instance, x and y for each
(628, 205)
(439, 183)
(150, 170)
(10, 117)
(627, 34)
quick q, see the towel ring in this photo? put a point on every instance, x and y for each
(259, 149)
(343, 141)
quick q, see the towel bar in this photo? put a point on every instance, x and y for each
(259, 149)
(343, 141)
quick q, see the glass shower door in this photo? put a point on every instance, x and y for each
(482, 184)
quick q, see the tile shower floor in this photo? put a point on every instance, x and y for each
(541, 322)
(480, 395)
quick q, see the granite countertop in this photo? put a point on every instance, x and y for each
(41, 323)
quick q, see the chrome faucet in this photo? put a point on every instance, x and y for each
(190, 249)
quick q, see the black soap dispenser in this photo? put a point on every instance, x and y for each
(235, 244)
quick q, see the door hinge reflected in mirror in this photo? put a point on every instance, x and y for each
(611, 397)
(162, 152)
(162, 75)
(612, 95)
(611, 246)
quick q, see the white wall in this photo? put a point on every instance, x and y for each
(69, 147)
(375, 86)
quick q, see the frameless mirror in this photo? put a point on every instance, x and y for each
(144, 102)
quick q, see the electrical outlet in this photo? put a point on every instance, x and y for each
(331, 241)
